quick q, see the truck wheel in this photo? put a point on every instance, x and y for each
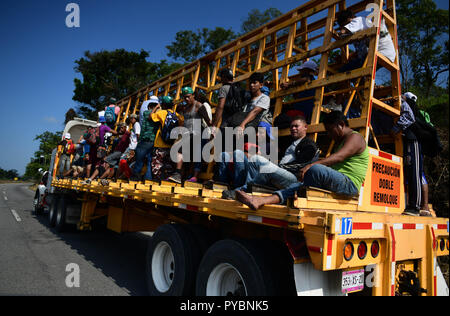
(60, 220)
(38, 210)
(204, 237)
(53, 210)
(234, 268)
(172, 261)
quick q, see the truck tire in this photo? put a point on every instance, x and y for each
(53, 210)
(172, 261)
(204, 237)
(235, 268)
(60, 218)
(38, 210)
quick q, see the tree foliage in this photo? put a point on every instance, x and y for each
(256, 18)
(8, 174)
(113, 74)
(189, 45)
(41, 159)
(423, 43)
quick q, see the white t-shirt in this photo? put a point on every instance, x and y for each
(134, 138)
(143, 108)
(263, 101)
(208, 110)
(385, 44)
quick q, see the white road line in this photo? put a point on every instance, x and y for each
(17, 217)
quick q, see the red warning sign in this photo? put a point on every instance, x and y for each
(385, 183)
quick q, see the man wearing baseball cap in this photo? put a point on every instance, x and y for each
(307, 72)
(146, 141)
(413, 164)
(152, 103)
(68, 148)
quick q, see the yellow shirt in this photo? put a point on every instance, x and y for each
(160, 117)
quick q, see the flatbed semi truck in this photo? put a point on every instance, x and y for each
(320, 243)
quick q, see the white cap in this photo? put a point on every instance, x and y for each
(67, 136)
(154, 99)
(309, 65)
(410, 96)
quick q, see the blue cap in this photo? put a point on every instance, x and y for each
(268, 128)
(102, 119)
(265, 90)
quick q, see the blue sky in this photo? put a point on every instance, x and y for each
(38, 52)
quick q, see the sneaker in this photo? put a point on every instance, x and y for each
(193, 179)
(229, 195)
(135, 178)
(209, 184)
(88, 181)
(425, 213)
(411, 212)
(176, 177)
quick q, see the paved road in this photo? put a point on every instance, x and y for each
(34, 257)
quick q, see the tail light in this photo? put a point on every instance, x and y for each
(447, 244)
(362, 250)
(442, 244)
(375, 249)
(348, 251)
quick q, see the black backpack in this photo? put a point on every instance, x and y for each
(169, 124)
(425, 133)
(306, 153)
(235, 100)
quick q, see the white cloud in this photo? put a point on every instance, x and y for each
(50, 119)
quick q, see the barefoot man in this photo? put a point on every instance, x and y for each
(343, 172)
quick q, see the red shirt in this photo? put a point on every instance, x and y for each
(124, 142)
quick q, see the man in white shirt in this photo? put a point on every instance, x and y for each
(152, 103)
(349, 24)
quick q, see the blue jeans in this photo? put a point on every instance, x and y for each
(322, 177)
(238, 177)
(143, 150)
(263, 172)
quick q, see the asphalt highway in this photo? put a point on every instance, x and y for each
(36, 260)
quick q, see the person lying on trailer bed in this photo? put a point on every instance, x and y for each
(343, 172)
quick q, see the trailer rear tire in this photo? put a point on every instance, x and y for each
(172, 261)
(235, 268)
(60, 218)
(53, 210)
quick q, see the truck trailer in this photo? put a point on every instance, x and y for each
(319, 243)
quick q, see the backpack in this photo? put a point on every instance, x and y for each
(110, 115)
(306, 153)
(427, 135)
(169, 124)
(425, 132)
(235, 100)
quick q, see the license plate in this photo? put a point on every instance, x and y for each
(352, 281)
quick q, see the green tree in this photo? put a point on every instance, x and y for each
(113, 74)
(257, 18)
(8, 174)
(189, 45)
(70, 115)
(423, 43)
(41, 158)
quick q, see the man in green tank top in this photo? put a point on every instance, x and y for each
(343, 172)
